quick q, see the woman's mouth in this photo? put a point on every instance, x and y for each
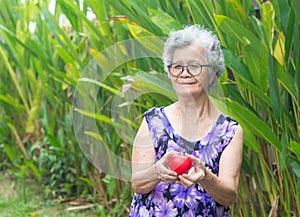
(187, 83)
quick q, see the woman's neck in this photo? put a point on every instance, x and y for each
(193, 110)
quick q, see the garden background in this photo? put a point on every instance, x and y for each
(44, 49)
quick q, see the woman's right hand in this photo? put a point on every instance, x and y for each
(162, 171)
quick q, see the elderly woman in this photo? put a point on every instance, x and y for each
(193, 126)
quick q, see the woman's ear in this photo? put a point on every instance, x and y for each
(216, 47)
(212, 77)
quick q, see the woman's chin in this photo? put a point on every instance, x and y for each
(186, 94)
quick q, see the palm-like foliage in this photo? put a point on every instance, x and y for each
(39, 72)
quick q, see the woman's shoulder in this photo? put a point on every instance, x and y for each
(155, 110)
(170, 107)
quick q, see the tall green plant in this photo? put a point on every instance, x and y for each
(261, 48)
(40, 71)
(271, 65)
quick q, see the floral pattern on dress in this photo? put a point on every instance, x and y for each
(168, 200)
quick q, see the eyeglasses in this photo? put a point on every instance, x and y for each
(176, 69)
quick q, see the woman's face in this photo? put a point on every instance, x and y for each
(186, 85)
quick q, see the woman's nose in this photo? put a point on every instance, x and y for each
(185, 72)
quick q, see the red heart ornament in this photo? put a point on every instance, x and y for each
(180, 164)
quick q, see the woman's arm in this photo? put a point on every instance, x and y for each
(146, 174)
(224, 187)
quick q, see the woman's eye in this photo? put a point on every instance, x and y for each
(194, 66)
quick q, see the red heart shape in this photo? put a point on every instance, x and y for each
(180, 164)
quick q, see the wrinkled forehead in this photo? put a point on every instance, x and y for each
(194, 52)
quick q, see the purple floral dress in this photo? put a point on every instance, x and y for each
(168, 200)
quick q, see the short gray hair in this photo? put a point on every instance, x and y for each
(209, 42)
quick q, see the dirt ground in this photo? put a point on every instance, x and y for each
(23, 198)
(7, 187)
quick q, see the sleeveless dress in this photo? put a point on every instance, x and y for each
(172, 200)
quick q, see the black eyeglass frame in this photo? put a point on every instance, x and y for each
(187, 69)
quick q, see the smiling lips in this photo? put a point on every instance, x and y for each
(187, 83)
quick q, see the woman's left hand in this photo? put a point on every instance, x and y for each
(195, 174)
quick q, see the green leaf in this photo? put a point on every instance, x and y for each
(64, 54)
(296, 8)
(241, 71)
(87, 181)
(10, 152)
(11, 38)
(202, 12)
(53, 141)
(136, 12)
(100, 84)
(274, 90)
(284, 8)
(33, 115)
(11, 101)
(254, 123)
(94, 135)
(32, 167)
(164, 21)
(14, 79)
(138, 31)
(256, 61)
(236, 12)
(250, 140)
(297, 78)
(72, 13)
(111, 187)
(237, 31)
(285, 79)
(268, 21)
(98, 7)
(157, 83)
(296, 168)
(295, 147)
(255, 53)
(235, 63)
(237, 97)
(37, 49)
(289, 34)
(279, 50)
(174, 10)
(98, 117)
(61, 36)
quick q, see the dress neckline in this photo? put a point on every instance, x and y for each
(184, 139)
